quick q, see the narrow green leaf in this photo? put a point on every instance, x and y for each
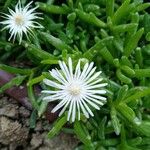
(70, 29)
(125, 61)
(6, 45)
(15, 70)
(135, 141)
(145, 141)
(122, 93)
(56, 42)
(125, 146)
(127, 70)
(90, 18)
(110, 7)
(139, 57)
(132, 43)
(116, 62)
(32, 97)
(121, 12)
(142, 73)
(148, 36)
(49, 62)
(47, 75)
(104, 33)
(42, 108)
(16, 81)
(106, 55)
(80, 132)
(122, 77)
(115, 121)
(126, 111)
(109, 142)
(118, 43)
(142, 7)
(70, 3)
(96, 48)
(146, 21)
(7, 4)
(143, 128)
(71, 16)
(35, 80)
(92, 8)
(139, 94)
(124, 28)
(57, 126)
(101, 129)
(39, 53)
(53, 9)
(135, 17)
(33, 119)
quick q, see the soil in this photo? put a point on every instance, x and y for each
(15, 133)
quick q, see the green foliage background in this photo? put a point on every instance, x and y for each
(115, 35)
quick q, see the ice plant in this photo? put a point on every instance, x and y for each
(76, 90)
(21, 21)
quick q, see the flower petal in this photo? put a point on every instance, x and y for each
(62, 111)
(74, 110)
(61, 104)
(83, 109)
(70, 109)
(53, 84)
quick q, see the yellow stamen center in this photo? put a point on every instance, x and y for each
(74, 90)
(19, 20)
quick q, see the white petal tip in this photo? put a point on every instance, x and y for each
(45, 99)
(59, 114)
(53, 111)
(87, 116)
(106, 84)
(103, 99)
(69, 59)
(46, 81)
(44, 91)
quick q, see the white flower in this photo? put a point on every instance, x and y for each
(21, 21)
(78, 90)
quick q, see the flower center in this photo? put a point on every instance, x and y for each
(19, 20)
(74, 90)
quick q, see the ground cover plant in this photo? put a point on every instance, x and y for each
(115, 35)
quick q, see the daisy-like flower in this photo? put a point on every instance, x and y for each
(21, 21)
(76, 90)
